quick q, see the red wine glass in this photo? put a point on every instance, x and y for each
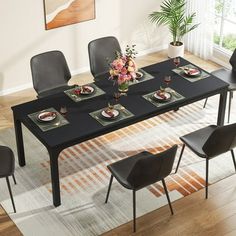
(167, 80)
(176, 61)
(117, 96)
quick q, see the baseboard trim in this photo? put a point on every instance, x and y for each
(220, 62)
(16, 89)
(152, 50)
(77, 71)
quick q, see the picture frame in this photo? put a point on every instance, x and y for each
(58, 13)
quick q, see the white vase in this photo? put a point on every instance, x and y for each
(175, 51)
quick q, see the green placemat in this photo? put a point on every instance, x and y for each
(124, 114)
(146, 76)
(77, 98)
(175, 97)
(180, 72)
(45, 126)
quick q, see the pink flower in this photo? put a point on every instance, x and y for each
(123, 68)
(123, 78)
(124, 71)
(118, 64)
(133, 75)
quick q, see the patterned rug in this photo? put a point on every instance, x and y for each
(84, 176)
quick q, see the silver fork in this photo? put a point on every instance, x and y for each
(123, 109)
(175, 94)
(57, 123)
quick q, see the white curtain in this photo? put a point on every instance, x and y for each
(200, 40)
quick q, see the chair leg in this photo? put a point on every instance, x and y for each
(233, 157)
(167, 196)
(230, 100)
(14, 179)
(207, 170)
(205, 103)
(109, 188)
(180, 157)
(9, 188)
(134, 211)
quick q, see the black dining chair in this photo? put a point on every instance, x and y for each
(141, 170)
(7, 168)
(229, 76)
(50, 73)
(210, 142)
(101, 51)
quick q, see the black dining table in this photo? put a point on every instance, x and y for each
(82, 126)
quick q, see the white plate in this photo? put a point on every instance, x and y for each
(47, 116)
(195, 71)
(114, 111)
(139, 75)
(84, 92)
(167, 96)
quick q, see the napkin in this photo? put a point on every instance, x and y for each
(161, 94)
(109, 113)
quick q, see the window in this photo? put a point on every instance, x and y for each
(225, 25)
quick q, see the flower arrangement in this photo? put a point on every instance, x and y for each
(123, 69)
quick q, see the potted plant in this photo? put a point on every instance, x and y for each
(172, 14)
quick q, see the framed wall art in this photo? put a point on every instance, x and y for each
(66, 12)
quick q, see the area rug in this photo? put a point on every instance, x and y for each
(84, 176)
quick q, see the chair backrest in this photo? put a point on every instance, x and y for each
(7, 161)
(49, 71)
(221, 140)
(150, 169)
(101, 51)
(232, 60)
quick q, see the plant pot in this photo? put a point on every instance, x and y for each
(176, 50)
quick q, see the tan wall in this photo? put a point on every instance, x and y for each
(23, 35)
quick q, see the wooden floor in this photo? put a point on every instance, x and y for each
(193, 214)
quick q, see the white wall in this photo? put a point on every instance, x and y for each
(23, 35)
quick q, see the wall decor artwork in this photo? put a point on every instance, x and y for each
(66, 12)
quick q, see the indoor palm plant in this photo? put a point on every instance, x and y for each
(172, 14)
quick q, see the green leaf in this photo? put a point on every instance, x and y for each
(172, 14)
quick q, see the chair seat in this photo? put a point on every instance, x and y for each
(53, 91)
(229, 76)
(121, 169)
(197, 139)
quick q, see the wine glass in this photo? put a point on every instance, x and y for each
(110, 106)
(63, 110)
(167, 80)
(176, 61)
(117, 96)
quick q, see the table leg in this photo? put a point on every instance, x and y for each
(19, 142)
(221, 109)
(55, 177)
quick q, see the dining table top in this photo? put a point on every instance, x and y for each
(82, 126)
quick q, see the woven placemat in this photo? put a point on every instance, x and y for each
(45, 126)
(77, 98)
(146, 76)
(123, 114)
(174, 97)
(180, 72)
